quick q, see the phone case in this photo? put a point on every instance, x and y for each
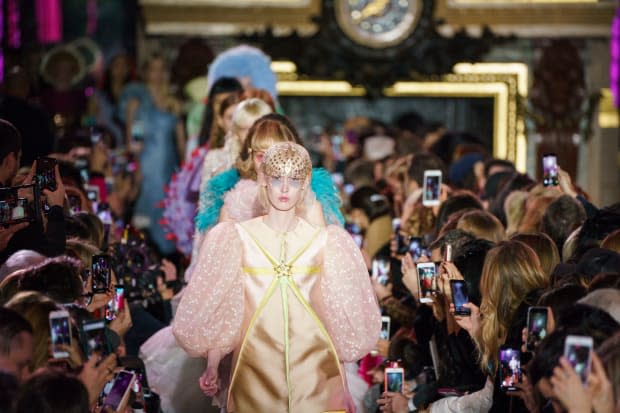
(394, 379)
(425, 282)
(431, 189)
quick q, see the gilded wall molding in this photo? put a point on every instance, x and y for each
(505, 83)
(530, 18)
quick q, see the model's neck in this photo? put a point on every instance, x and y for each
(281, 221)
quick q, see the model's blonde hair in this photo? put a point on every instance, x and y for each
(247, 112)
(511, 271)
(266, 131)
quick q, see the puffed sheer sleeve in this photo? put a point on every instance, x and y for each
(210, 312)
(351, 313)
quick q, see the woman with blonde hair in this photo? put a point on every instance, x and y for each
(188, 185)
(289, 300)
(511, 280)
(231, 195)
(544, 247)
(483, 225)
(35, 307)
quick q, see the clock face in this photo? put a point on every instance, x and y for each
(378, 23)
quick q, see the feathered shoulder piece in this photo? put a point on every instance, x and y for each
(212, 198)
(327, 194)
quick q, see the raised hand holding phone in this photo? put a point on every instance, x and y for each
(410, 275)
(470, 323)
(95, 374)
(60, 332)
(56, 196)
(568, 387)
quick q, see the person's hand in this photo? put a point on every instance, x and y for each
(163, 290)
(99, 158)
(94, 376)
(524, 337)
(29, 179)
(409, 204)
(569, 389)
(410, 275)
(382, 347)
(85, 204)
(600, 387)
(566, 184)
(75, 356)
(393, 402)
(122, 323)
(376, 374)
(444, 194)
(451, 271)
(209, 381)
(470, 323)
(527, 394)
(97, 300)
(56, 198)
(7, 233)
(169, 270)
(394, 246)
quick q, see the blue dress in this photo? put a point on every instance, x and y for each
(158, 160)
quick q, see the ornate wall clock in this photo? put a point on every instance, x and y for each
(378, 23)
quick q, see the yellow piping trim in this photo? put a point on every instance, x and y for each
(270, 271)
(283, 281)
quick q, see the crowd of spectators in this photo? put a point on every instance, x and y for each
(514, 242)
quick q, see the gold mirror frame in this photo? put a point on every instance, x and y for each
(505, 83)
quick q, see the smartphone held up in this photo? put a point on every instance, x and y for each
(60, 333)
(509, 369)
(578, 352)
(427, 281)
(550, 170)
(431, 189)
(460, 297)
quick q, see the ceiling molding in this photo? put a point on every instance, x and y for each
(523, 18)
(530, 18)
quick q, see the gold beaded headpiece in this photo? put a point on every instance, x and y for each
(287, 159)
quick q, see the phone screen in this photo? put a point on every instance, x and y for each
(394, 380)
(337, 147)
(116, 304)
(459, 297)
(122, 383)
(578, 352)
(95, 339)
(356, 233)
(550, 170)
(536, 326)
(101, 274)
(432, 188)
(415, 248)
(46, 174)
(75, 203)
(385, 328)
(60, 332)
(381, 270)
(18, 204)
(509, 368)
(426, 277)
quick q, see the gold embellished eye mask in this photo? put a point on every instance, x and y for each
(287, 159)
